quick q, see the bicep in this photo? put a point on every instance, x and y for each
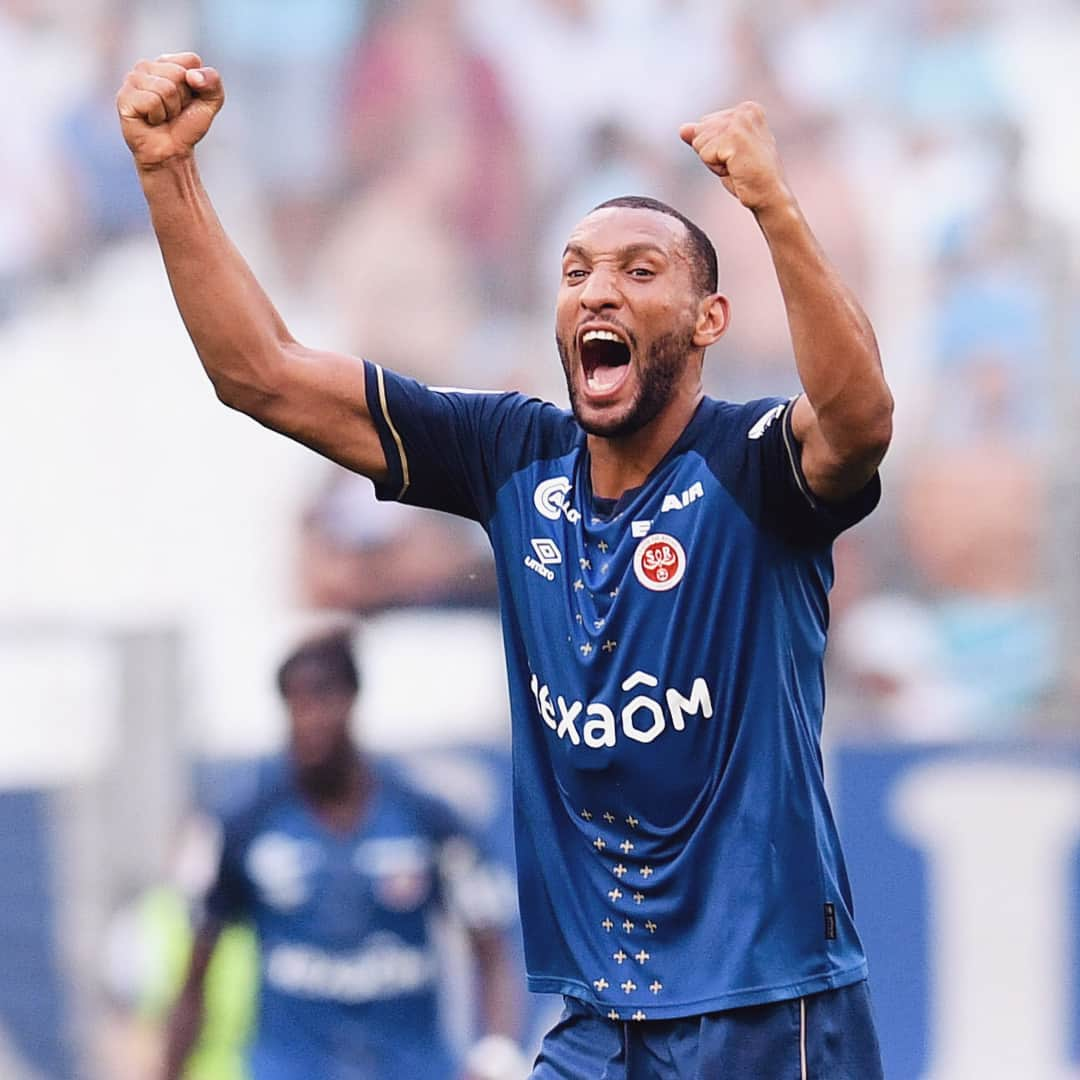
(830, 476)
(318, 399)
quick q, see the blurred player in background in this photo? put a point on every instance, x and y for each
(664, 562)
(341, 867)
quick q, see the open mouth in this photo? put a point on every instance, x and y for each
(605, 360)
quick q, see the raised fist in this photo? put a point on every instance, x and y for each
(166, 106)
(738, 146)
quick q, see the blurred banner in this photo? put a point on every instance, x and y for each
(965, 864)
(35, 1005)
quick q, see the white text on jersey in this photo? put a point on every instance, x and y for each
(641, 719)
(383, 967)
(673, 501)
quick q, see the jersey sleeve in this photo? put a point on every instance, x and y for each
(775, 488)
(473, 883)
(449, 449)
(229, 897)
(475, 887)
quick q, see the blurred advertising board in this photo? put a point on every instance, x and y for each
(965, 868)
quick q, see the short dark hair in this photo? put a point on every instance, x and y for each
(702, 252)
(332, 652)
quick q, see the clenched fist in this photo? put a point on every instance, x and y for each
(166, 106)
(738, 146)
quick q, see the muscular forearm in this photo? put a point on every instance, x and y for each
(238, 334)
(166, 106)
(845, 420)
(835, 349)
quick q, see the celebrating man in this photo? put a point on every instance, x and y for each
(664, 561)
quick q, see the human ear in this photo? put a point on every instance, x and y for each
(714, 314)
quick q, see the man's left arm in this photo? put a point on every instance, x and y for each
(481, 894)
(497, 982)
(843, 422)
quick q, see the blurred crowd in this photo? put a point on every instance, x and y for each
(407, 171)
(415, 164)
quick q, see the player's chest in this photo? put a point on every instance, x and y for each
(312, 874)
(572, 557)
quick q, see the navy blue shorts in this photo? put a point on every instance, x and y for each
(826, 1036)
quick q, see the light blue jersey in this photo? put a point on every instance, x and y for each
(348, 966)
(676, 852)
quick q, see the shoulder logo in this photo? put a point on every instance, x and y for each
(659, 562)
(550, 499)
(764, 423)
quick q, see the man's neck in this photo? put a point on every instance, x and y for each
(338, 793)
(620, 464)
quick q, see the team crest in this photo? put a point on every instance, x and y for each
(400, 869)
(659, 562)
(403, 891)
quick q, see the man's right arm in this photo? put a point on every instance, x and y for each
(256, 366)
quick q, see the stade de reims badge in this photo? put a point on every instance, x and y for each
(404, 890)
(659, 562)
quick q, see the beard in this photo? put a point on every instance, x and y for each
(658, 377)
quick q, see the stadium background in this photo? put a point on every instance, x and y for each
(402, 175)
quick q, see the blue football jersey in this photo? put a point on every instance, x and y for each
(348, 967)
(676, 852)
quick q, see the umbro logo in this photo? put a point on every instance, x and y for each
(547, 554)
(547, 551)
